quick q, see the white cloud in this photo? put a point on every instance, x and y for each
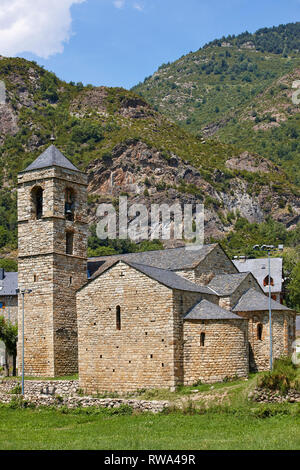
(119, 3)
(37, 26)
(138, 6)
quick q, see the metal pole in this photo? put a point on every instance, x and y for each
(23, 294)
(270, 314)
(9, 300)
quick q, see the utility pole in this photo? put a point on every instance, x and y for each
(269, 248)
(270, 312)
(23, 292)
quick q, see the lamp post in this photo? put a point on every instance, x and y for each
(269, 248)
(23, 292)
(9, 303)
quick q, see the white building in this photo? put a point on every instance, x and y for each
(260, 270)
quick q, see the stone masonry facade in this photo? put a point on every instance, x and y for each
(153, 348)
(53, 275)
(10, 312)
(223, 355)
(141, 353)
(283, 334)
(152, 322)
(231, 300)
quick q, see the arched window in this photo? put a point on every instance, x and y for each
(259, 331)
(202, 339)
(267, 283)
(69, 204)
(118, 317)
(37, 202)
(69, 243)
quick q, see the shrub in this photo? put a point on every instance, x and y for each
(281, 378)
(9, 264)
(17, 390)
(86, 131)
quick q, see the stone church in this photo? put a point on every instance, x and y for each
(125, 322)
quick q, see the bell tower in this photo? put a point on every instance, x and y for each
(52, 236)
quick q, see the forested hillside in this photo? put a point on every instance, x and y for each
(239, 91)
(129, 148)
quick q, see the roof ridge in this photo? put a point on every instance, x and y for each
(150, 251)
(260, 307)
(170, 271)
(223, 313)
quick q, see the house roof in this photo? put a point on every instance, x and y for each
(51, 157)
(205, 310)
(253, 300)
(226, 284)
(173, 259)
(170, 279)
(165, 277)
(9, 284)
(259, 269)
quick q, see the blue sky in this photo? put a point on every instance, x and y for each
(120, 42)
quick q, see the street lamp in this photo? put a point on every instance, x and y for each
(23, 292)
(269, 248)
(9, 304)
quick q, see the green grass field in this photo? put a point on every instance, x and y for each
(212, 417)
(51, 429)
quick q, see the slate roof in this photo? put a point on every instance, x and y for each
(226, 284)
(253, 300)
(173, 259)
(51, 157)
(259, 269)
(205, 310)
(165, 277)
(9, 284)
(170, 279)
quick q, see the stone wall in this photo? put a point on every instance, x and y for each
(64, 393)
(224, 354)
(283, 328)
(182, 303)
(216, 262)
(263, 395)
(187, 274)
(10, 312)
(151, 350)
(54, 276)
(228, 302)
(42, 387)
(141, 353)
(38, 308)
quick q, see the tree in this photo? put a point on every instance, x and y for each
(9, 336)
(294, 287)
(86, 131)
(9, 264)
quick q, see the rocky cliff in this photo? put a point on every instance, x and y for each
(127, 147)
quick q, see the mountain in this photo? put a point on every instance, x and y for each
(237, 90)
(128, 147)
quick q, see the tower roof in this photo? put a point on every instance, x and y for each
(51, 157)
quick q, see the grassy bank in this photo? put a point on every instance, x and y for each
(208, 417)
(52, 429)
